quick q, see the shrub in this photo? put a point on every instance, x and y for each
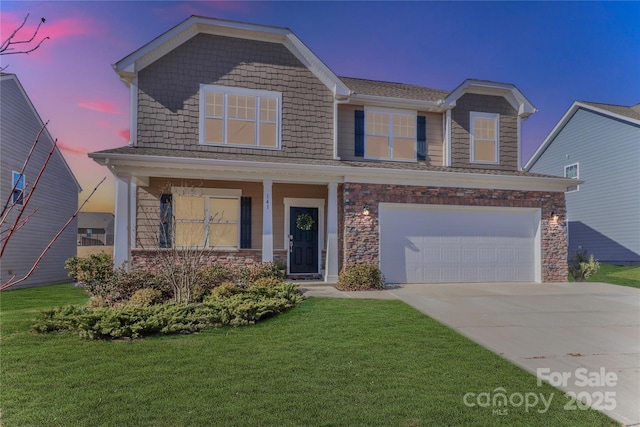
(225, 290)
(92, 272)
(146, 297)
(267, 281)
(582, 267)
(123, 284)
(216, 275)
(97, 302)
(264, 270)
(130, 321)
(360, 277)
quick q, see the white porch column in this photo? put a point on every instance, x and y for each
(267, 221)
(331, 266)
(121, 234)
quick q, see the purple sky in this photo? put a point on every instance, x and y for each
(554, 52)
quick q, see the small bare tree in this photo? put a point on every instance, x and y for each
(179, 240)
(10, 226)
(14, 45)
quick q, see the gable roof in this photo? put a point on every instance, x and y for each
(619, 112)
(487, 87)
(13, 77)
(130, 65)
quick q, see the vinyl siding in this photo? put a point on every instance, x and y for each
(346, 131)
(56, 197)
(460, 131)
(148, 206)
(168, 95)
(604, 214)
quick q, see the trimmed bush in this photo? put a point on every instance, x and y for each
(360, 277)
(129, 321)
(225, 290)
(145, 297)
(92, 272)
(581, 266)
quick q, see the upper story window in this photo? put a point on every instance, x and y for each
(484, 147)
(390, 134)
(240, 117)
(17, 182)
(572, 171)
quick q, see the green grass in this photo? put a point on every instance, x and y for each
(327, 362)
(618, 275)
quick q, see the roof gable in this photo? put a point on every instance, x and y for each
(486, 87)
(130, 65)
(12, 77)
(615, 112)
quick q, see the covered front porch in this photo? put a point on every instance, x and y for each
(235, 221)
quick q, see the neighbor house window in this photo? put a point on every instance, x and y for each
(209, 220)
(390, 134)
(571, 171)
(240, 117)
(17, 182)
(484, 133)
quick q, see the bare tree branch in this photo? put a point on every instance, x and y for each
(7, 45)
(11, 281)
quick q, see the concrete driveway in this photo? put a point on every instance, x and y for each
(582, 337)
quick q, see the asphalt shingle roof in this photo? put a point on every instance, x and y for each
(393, 90)
(196, 154)
(631, 112)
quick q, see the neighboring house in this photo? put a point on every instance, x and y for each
(262, 153)
(54, 200)
(95, 229)
(600, 144)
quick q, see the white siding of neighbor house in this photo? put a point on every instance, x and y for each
(56, 196)
(604, 214)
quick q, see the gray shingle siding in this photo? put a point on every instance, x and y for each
(168, 100)
(56, 197)
(604, 214)
(460, 125)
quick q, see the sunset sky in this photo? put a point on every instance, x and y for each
(554, 52)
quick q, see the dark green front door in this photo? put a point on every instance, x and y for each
(303, 232)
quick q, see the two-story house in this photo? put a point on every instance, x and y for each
(261, 153)
(51, 205)
(600, 144)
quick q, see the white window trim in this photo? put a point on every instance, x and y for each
(494, 116)
(226, 90)
(14, 186)
(577, 165)
(207, 194)
(391, 111)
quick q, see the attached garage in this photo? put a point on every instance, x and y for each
(448, 244)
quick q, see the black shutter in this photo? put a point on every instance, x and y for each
(245, 222)
(359, 141)
(421, 137)
(166, 220)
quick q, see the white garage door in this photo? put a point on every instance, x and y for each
(445, 244)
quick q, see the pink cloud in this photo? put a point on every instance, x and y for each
(124, 134)
(100, 105)
(103, 124)
(53, 28)
(72, 149)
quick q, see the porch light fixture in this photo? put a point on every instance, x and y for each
(554, 217)
(365, 210)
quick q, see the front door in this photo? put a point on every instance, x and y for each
(303, 244)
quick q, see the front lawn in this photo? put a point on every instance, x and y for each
(618, 275)
(338, 362)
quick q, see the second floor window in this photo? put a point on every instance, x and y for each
(18, 188)
(240, 117)
(390, 135)
(571, 171)
(484, 145)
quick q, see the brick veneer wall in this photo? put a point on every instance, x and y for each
(359, 236)
(151, 260)
(460, 128)
(168, 95)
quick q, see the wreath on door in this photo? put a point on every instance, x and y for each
(304, 222)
